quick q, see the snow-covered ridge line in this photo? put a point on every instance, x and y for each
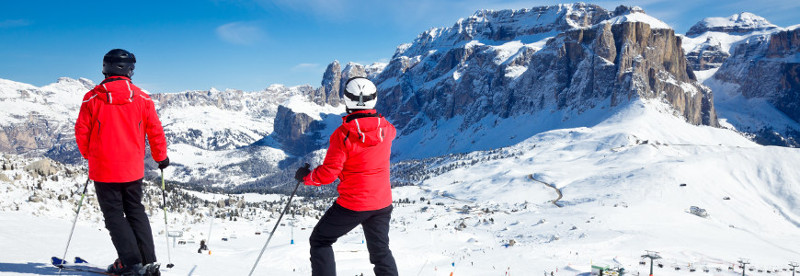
(740, 23)
(635, 16)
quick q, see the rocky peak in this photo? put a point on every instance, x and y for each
(621, 56)
(290, 129)
(623, 10)
(767, 66)
(765, 70)
(375, 69)
(350, 71)
(506, 25)
(737, 24)
(331, 83)
(707, 55)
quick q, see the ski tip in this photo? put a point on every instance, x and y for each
(58, 262)
(170, 265)
(79, 260)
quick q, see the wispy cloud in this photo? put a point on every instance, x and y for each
(14, 23)
(241, 33)
(305, 67)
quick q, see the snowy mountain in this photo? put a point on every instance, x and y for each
(498, 77)
(543, 139)
(742, 23)
(40, 120)
(762, 74)
(453, 90)
(708, 43)
(626, 185)
(750, 65)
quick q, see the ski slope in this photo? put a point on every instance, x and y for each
(622, 194)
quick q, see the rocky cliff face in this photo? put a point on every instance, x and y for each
(707, 43)
(707, 55)
(297, 133)
(331, 84)
(768, 67)
(618, 62)
(566, 58)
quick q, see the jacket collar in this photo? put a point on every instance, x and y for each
(358, 114)
(116, 90)
(114, 78)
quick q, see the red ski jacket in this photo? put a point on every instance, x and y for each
(358, 156)
(115, 117)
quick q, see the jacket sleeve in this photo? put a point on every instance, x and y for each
(155, 132)
(334, 162)
(83, 129)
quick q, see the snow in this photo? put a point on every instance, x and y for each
(743, 19)
(725, 40)
(213, 120)
(703, 75)
(515, 71)
(249, 197)
(748, 114)
(56, 101)
(637, 17)
(755, 24)
(619, 178)
(506, 50)
(197, 162)
(299, 104)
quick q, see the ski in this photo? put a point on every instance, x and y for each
(80, 265)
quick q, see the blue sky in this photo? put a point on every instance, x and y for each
(250, 44)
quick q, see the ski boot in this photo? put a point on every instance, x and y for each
(151, 269)
(116, 268)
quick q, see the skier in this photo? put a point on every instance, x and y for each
(358, 155)
(202, 246)
(110, 131)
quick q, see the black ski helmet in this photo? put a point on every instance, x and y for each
(118, 62)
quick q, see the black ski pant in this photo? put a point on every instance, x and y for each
(126, 221)
(336, 222)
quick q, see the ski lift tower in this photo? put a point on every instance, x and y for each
(743, 263)
(291, 224)
(175, 235)
(794, 266)
(653, 255)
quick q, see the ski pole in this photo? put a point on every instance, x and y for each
(273, 228)
(74, 221)
(166, 225)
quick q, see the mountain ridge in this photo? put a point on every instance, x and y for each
(489, 81)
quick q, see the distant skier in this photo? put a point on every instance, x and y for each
(110, 131)
(202, 246)
(358, 156)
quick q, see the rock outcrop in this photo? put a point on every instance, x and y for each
(707, 55)
(328, 93)
(627, 60)
(708, 42)
(43, 167)
(565, 58)
(294, 131)
(768, 67)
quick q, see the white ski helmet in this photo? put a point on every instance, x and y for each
(360, 93)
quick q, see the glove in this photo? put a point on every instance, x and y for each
(302, 172)
(163, 163)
